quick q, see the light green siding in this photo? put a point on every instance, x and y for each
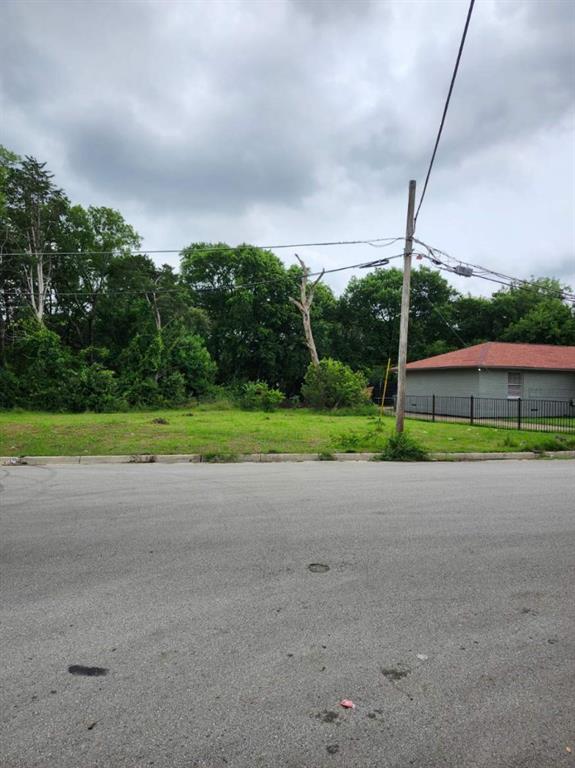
(492, 383)
(535, 385)
(449, 383)
(548, 385)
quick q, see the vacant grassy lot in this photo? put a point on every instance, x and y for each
(208, 430)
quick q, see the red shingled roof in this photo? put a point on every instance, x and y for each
(497, 354)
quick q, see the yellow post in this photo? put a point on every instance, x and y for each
(384, 387)
(385, 383)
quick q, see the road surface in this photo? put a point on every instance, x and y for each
(447, 615)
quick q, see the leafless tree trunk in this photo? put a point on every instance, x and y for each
(304, 305)
(38, 274)
(153, 302)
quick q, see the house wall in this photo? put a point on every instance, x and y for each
(543, 385)
(536, 385)
(492, 383)
(450, 383)
(453, 388)
(548, 385)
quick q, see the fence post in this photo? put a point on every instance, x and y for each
(518, 413)
(471, 410)
(432, 407)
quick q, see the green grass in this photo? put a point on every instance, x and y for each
(215, 432)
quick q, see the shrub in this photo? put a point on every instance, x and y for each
(94, 388)
(44, 368)
(189, 357)
(219, 397)
(333, 384)
(143, 393)
(402, 447)
(173, 388)
(258, 396)
(9, 389)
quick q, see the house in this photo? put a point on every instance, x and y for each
(495, 370)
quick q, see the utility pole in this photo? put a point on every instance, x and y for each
(404, 320)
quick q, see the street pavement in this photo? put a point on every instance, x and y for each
(446, 614)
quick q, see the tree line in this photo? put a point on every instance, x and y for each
(88, 321)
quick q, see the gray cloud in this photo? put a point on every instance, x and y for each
(335, 11)
(254, 120)
(229, 172)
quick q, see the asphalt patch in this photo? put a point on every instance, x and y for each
(78, 669)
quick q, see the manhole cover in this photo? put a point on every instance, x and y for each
(318, 568)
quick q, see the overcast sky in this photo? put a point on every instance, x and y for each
(278, 121)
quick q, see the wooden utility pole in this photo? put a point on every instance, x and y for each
(404, 320)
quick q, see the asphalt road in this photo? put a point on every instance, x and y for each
(447, 615)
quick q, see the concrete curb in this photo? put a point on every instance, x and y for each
(263, 458)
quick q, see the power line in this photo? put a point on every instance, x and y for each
(207, 289)
(210, 248)
(446, 107)
(468, 269)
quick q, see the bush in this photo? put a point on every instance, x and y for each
(143, 393)
(94, 388)
(44, 368)
(189, 357)
(333, 384)
(173, 388)
(219, 397)
(402, 447)
(9, 389)
(258, 396)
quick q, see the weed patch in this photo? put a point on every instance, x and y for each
(403, 447)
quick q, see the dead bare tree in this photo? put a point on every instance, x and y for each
(152, 299)
(304, 303)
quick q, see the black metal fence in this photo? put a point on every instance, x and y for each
(520, 413)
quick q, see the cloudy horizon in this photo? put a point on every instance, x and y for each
(294, 121)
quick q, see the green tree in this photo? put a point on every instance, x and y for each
(8, 160)
(369, 312)
(245, 294)
(92, 240)
(549, 322)
(473, 319)
(166, 367)
(31, 223)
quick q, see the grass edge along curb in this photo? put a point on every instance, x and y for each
(266, 458)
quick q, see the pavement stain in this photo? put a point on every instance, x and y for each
(395, 673)
(318, 567)
(79, 669)
(328, 716)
